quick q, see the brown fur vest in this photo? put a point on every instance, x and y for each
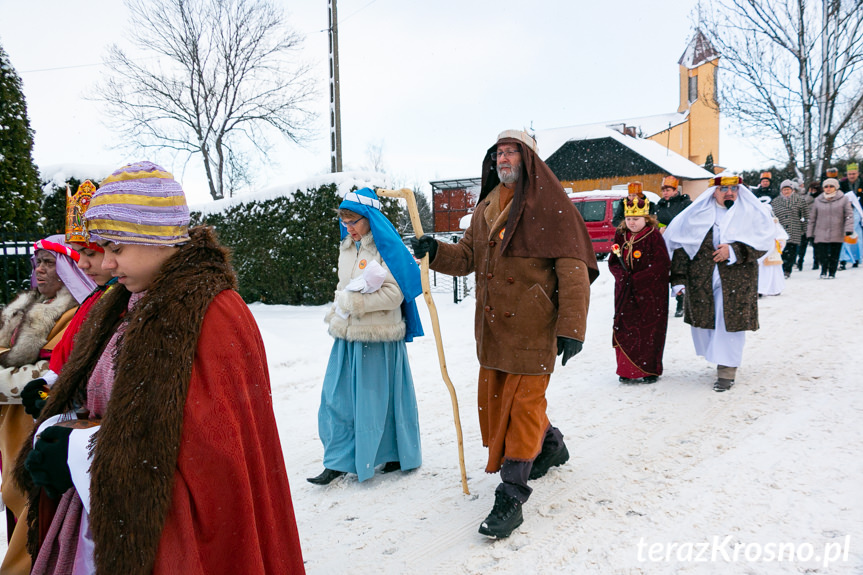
(135, 456)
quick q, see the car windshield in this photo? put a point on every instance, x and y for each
(592, 211)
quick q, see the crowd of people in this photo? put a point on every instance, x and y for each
(134, 390)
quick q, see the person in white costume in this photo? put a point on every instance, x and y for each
(714, 246)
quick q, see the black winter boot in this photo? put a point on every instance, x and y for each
(326, 477)
(548, 459)
(505, 516)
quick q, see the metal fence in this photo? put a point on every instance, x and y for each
(458, 287)
(15, 251)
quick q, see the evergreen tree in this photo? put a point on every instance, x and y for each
(708, 163)
(404, 224)
(19, 178)
(54, 203)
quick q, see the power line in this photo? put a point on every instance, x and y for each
(351, 15)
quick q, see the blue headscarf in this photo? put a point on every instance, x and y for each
(394, 253)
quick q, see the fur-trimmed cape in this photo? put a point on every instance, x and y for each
(187, 474)
(33, 317)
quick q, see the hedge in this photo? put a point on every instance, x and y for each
(285, 249)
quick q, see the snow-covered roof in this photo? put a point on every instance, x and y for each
(653, 197)
(550, 141)
(344, 181)
(698, 52)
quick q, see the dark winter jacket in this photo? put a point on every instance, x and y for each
(667, 210)
(846, 186)
(618, 213)
(761, 192)
(830, 219)
(793, 213)
(739, 286)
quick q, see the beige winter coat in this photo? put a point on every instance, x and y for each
(830, 218)
(375, 316)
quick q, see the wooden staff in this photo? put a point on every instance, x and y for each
(408, 196)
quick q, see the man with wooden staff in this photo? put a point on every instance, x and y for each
(534, 263)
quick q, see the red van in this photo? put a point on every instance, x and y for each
(597, 208)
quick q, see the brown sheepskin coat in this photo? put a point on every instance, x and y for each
(187, 473)
(739, 286)
(522, 303)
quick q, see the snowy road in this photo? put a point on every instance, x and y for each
(668, 478)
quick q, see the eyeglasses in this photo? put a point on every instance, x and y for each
(829, 186)
(353, 223)
(508, 153)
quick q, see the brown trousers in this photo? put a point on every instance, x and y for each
(512, 416)
(15, 427)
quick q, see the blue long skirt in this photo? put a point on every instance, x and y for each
(368, 414)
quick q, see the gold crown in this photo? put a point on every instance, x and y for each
(76, 206)
(639, 207)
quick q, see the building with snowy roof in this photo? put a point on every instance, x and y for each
(604, 155)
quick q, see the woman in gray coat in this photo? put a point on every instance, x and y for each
(830, 220)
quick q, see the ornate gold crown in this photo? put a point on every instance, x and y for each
(640, 206)
(76, 206)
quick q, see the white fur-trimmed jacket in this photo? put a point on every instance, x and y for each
(374, 316)
(34, 319)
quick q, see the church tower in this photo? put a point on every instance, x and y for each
(698, 96)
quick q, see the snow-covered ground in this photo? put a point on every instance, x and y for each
(668, 478)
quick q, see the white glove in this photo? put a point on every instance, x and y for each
(371, 281)
(374, 274)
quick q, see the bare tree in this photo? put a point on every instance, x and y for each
(375, 156)
(795, 68)
(224, 77)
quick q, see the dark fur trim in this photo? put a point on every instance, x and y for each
(133, 465)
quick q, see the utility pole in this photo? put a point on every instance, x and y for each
(335, 107)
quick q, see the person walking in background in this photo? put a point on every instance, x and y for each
(830, 220)
(672, 203)
(368, 414)
(852, 247)
(714, 247)
(534, 263)
(771, 278)
(792, 211)
(765, 187)
(640, 266)
(851, 182)
(812, 191)
(176, 457)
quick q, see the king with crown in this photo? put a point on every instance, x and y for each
(640, 265)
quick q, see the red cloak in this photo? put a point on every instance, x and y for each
(641, 276)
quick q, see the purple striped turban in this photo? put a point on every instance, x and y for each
(139, 204)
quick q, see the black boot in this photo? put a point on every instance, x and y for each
(326, 477)
(391, 466)
(505, 516)
(841, 265)
(548, 459)
(679, 311)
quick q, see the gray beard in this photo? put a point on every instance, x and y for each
(510, 178)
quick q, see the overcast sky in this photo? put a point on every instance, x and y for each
(431, 82)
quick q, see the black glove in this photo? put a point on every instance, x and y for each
(424, 245)
(33, 402)
(568, 347)
(47, 463)
(848, 233)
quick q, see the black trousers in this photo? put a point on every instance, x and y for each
(828, 255)
(801, 249)
(789, 254)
